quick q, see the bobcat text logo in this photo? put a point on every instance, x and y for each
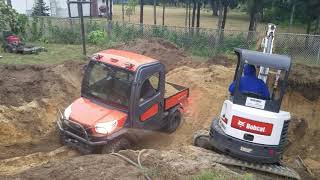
(250, 126)
(255, 128)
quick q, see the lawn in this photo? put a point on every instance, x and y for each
(56, 54)
(236, 20)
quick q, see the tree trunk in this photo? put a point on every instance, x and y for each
(254, 12)
(214, 7)
(186, 18)
(154, 12)
(189, 9)
(220, 9)
(110, 10)
(291, 17)
(141, 11)
(193, 12)
(9, 3)
(317, 31)
(107, 7)
(253, 15)
(122, 8)
(163, 12)
(198, 14)
(94, 8)
(308, 27)
(225, 12)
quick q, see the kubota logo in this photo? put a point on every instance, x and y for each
(251, 126)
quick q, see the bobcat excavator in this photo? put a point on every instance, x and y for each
(251, 130)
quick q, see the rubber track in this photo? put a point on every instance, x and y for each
(230, 161)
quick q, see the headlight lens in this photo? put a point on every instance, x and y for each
(67, 112)
(106, 127)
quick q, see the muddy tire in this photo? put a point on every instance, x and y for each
(174, 122)
(115, 146)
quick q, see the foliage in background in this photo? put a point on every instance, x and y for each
(8, 17)
(213, 175)
(97, 37)
(40, 9)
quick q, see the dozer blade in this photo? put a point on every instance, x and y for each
(201, 139)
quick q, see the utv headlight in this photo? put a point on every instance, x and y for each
(106, 127)
(67, 112)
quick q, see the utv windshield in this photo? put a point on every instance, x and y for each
(108, 84)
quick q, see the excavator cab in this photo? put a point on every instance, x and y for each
(266, 95)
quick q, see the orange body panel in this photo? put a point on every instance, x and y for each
(153, 110)
(122, 59)
(176, 99)
(88, 113)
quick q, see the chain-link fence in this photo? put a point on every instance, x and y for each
(303, 48)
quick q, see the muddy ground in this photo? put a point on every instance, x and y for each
(31, 94)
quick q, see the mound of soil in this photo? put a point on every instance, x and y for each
(30, 96)
(306, 80)
(158, 165)
(169, 54)
(21, 84)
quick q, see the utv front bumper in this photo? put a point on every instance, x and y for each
(237, 148)
(78, 137)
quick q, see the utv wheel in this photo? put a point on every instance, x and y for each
(8, 50)
(115, 146)
(174, 122)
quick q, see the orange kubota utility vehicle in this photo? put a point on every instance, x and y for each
(122, 93)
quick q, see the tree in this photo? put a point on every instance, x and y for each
(227, 4)
(94, 8)
(122, 8)
(141, 11)
(194, 6)
(110, 9)
(163, 10)
(198, 13)
(40, 9)
(255, 6)
(9, 18)
(9, 3)
(155, 12)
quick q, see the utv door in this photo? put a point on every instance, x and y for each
(148, 97)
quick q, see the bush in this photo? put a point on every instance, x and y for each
(97, 37)
(64, 35)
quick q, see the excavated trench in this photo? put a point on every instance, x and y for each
(31, 94)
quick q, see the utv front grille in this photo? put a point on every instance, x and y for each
(76, 129)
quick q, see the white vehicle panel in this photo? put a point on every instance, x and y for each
(259, 116)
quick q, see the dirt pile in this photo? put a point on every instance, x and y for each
(30, 96)
(19, 164)
(159, 164)
(306, 80)
(162, 50)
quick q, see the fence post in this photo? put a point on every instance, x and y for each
(80, 13)
(318, 57)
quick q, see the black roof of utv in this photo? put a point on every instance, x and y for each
(264, 59)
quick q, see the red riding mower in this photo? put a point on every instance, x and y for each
(13, 44)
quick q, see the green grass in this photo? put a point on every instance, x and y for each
(213, 175)
(57, 53)
(175, 16)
